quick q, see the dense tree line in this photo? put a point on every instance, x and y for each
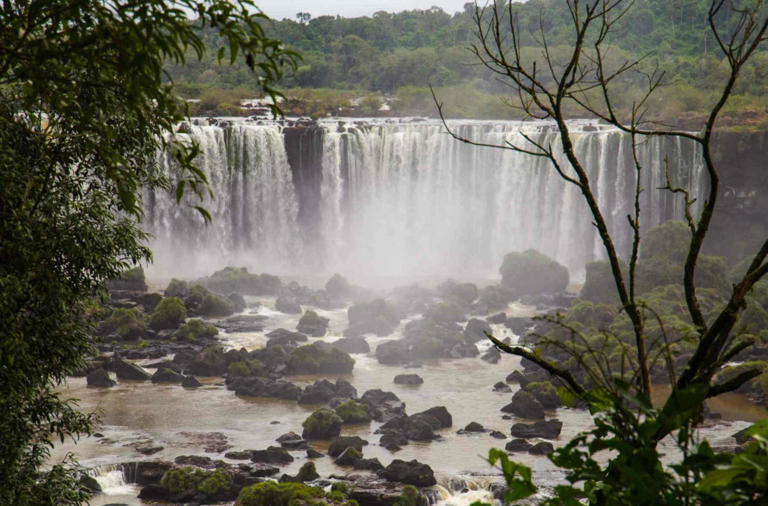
(388, 52)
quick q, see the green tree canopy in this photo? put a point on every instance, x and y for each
(84, 110)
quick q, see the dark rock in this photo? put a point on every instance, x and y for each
(242, 323)
(319, 358)
(312, 324)
(517, 376)
(287, 305)
(376, 317)
(149, 450)
(408, 379)
(339, 444)
(165, 375)
(285, 336)
(272, 455)
(413, 473)
(531, 273)
(382, 405)
(474, 427)
(153, 493)
(549, 429)
(439, 413)
(464, 350)
(497, 318)
(501, 387)
(127, 371)
(195, 460)
(418, 429)
(393, 441)
(352, 345)
(149, 472)
(497, 435)
(518, 325)
(149, 301)
(313, 454)
(476, 330)
(396, 352)
(541, 448)
(99, 378)
(348, 457)
(338, 287)
(260, 470)
(462, 294)
(190, 382)
(545, 393)
(294, 444)
(524, 405)
(209, 362)
(237, 301)
(90, 483)
(518, 445)
(445, 312)
(322, 424)
(239, 455)
(368, 464)
(492, 356)
(307, 472)
(319, 392)
(288, 436)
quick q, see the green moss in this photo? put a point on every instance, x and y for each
(182, 480)
(409, 496)
(216, 482)
(545, 392)
(313, 359)
(195, 329)
(531, 272)
(322, 424)
(270, 493)
(127, 323)
(353, 412)
(213, 305)
(307, 472)
(591, 316)
(170, 313)
(177, 288)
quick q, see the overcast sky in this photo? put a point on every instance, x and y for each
(280, 9)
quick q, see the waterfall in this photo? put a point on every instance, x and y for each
(112, 480)
(404, 199)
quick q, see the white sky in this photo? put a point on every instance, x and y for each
(279, 9)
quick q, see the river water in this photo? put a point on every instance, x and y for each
(177, 418)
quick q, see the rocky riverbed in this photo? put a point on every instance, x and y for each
(275, 379)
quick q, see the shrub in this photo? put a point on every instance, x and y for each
(353, 412)
(195, 329)
(322, 424)
(270, 493)
(170, 313)
(244, 368)
(126, 323)
(531, 273)
(177, 288)
(314, 359)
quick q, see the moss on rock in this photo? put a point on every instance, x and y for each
(270, 493)
(169, 314)
(322, 424)
(195, 329)
(353, 412)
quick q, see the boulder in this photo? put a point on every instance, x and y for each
(408, 379)
(462, 294)
(352, 345)
(413, 473)
(474, 427)
(464, 350)
(497, 318)
(518, 445)
(541, 448)
(319, 392)
(348, 457)
(442, 417)
(322, 424)
(383, 406)
(312, 324)
(392, 441)
(237, 301)
(544, 392)
(339, 444)
(285, 336)
(261, 470)
(501, 387)
(272, 455)
(319, 358)
(419, 428)
(445, 312)
(475, 330)
(166, 375)
(549, 429)
(99, 378)
(307, 472)
(287, 305)
(525, 405)
(377, 317)
(128, 371)
(492, 356)
(531, 273)
(338, 287)
(209, 362)
(353, 412)
(190, 382)
(242, 323)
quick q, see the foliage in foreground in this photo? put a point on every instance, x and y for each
(83, 113)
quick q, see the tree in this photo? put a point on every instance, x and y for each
(583, 83)
(83, 112)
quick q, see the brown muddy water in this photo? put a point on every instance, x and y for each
(178, 419)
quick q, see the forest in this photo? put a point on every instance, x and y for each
(394, 57)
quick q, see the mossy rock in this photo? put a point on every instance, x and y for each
(544, 392)
(322, 424)
(244, 368)
(318, 359)
(239, 280)
(600, 286)
(177, 288)
(213, 305)
(532, 273)
(127, 323)
(169, 314)
(353, 412)
(270, 493)
(194, 330)
(186, 482)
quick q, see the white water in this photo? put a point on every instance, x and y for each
(406, 199)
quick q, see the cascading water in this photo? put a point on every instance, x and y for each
(405, 199)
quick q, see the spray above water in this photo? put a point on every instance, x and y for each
(404, 199)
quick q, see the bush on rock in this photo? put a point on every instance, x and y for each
(169, 314)
(532, 273)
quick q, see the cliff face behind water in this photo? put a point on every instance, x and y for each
(740, 224)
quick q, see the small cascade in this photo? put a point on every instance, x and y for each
(461, 491)
(404, 199)
(112, 480)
